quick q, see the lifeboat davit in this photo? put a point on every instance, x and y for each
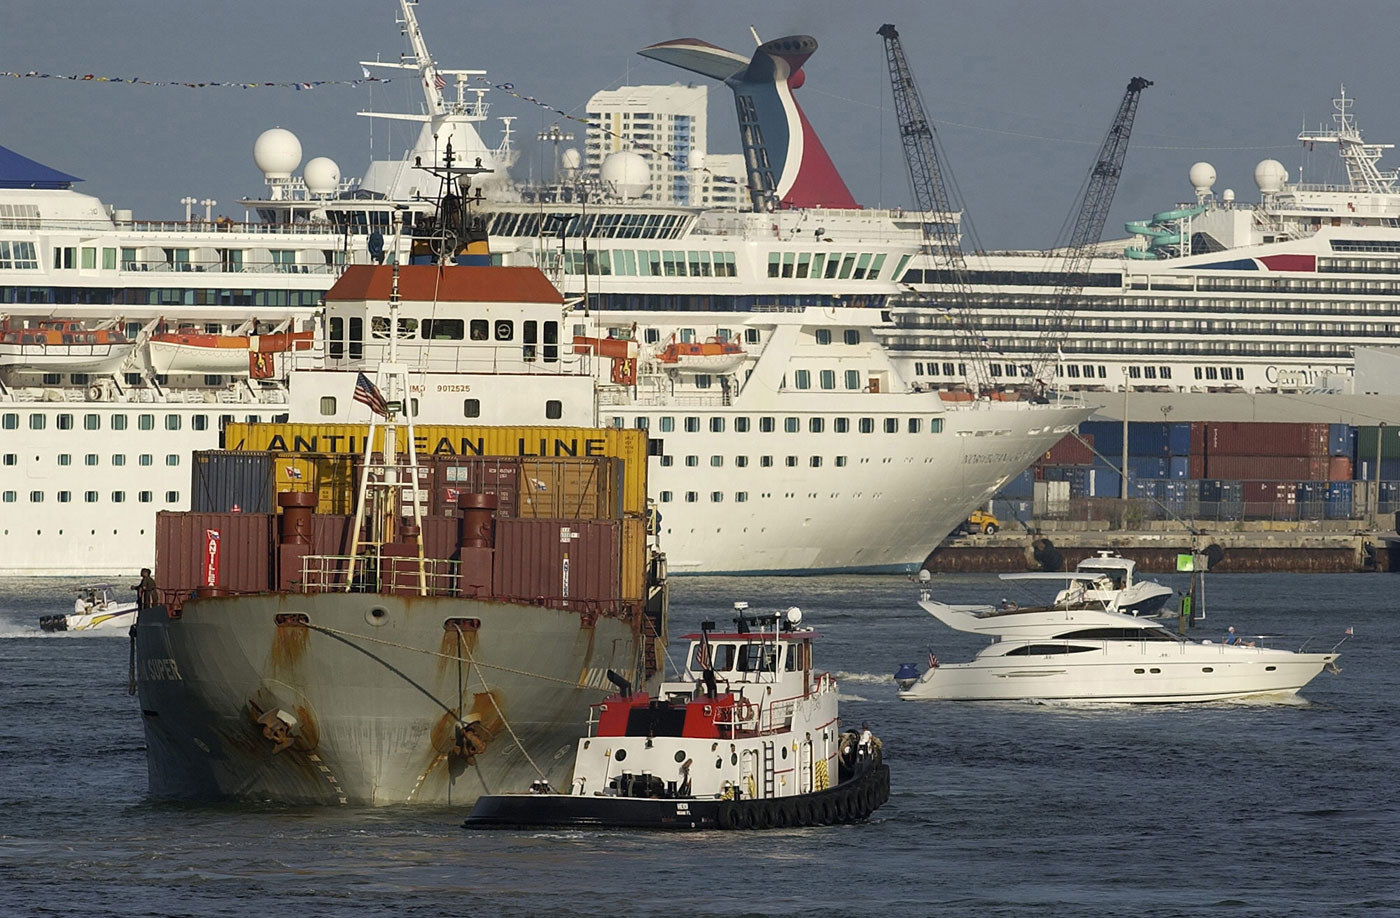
(191, 352)
(61, 344)
(709, 356)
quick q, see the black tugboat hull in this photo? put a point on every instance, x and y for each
(852, 801)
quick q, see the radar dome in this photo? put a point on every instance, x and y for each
(322, 175)
(1270, 175)
(626, 174)
(1227, 195)
(277, 153)
(570, 159)
(1202, 176)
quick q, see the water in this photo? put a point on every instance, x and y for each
(997, 809)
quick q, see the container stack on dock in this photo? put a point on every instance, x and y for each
(1218, 471)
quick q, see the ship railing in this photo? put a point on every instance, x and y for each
(374, 574)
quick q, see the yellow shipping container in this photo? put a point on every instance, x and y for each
(630, 446)
(330, 476)
(634, 558)
(571, 489)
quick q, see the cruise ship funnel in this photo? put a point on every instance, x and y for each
(786, 163)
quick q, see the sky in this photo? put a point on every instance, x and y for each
(1021, 93)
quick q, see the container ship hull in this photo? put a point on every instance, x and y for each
(359, 699)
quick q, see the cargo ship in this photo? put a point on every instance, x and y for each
(327, 634)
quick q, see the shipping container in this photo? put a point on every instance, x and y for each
(1248, 438)
(239, 481)
(1022, 487)
(231, 551)
(1144, 438)
(1365, 469)
(1339, 468)
(557, 561)
(1077, 476)
(497, 476)
(1366, 438)
(1179, 439)
(1179, 467)
(1339, 501)
(1146, 468)
(1341, 440)
(1273, 468)
(1270, 500)
(635, 559)
(576, 489)
(1070, 450)
(1105, 482)
(629, 445)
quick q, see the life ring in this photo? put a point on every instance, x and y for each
(94, 393)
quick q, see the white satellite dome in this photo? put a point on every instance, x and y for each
(570, 159)
(277, 153)
(322, 175)
(626, 173)
(1227, 195)
(1270, 175)
(1202, 177)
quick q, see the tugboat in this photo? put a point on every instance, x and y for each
(748, 738)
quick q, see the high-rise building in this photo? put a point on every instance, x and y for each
(667, 126)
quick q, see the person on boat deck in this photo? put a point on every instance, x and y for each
(1232, 638)
(866, 738)
(145, 590)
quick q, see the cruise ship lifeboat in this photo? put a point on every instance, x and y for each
(709, 356)
(191, 352)
(61, 344)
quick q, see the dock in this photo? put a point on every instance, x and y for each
(1250, 546)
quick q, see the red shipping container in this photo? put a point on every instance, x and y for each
(558, 561)
(1266, 468)
(244, 551)
(1198, 440)
(1247, 438)
(1277, 492)
(1070, 451)
(1195, 465)
(1339, 468)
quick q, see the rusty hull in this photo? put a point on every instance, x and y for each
(365, 699)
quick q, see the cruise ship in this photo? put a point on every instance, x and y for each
(748, 344)
(1213, 294)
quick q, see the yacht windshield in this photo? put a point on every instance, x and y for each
(1151, 633)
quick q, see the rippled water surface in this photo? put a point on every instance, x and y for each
(997, 809)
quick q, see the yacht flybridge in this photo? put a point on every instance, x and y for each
(1073, 650)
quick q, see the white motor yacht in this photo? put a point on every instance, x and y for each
(95, 609)
(1082, 651)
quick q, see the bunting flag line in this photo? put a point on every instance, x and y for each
(205, 84)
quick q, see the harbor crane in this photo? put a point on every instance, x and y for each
(1092, 212)
(939, 213)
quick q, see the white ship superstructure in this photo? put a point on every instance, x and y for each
(812, 450)
(1210, 295)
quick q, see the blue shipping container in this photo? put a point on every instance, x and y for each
(1022, 487)
(1179, 467)
(1341, 440)
(1106, 483)
(1179, 439)
(1146, 467)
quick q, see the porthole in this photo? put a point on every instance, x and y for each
(1207, 669)
(620, 754)
(680, 755)
(1139, 671)
(1269, 669)
(1155, 670)
(378, 615)
(733, 758)
(719, 763)
(784, 752)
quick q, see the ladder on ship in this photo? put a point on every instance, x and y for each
(769, 764)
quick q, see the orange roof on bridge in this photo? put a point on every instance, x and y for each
(451, 284)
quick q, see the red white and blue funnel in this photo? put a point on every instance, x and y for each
(786, 162)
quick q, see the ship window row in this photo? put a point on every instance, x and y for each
(792, 424)
(90, 497)
(19, 216)
(597, 226)
(156, 296)
(1358, 266)
(1210, 282)
(644, 263)
(143, 459)
(826, 265)
(683, 335)
(849, 335)
(706, 302)
(1365, 245)
(764, 462)
(18, 255)
(1012, 278)
(1194, 346)
(115, 421)
(1225, 373)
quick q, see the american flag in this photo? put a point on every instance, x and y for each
(702, 653)
(932, 660)
(438, 81)
(368, 393)
(1350, 632)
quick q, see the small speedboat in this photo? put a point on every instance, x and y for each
(1073, 650)
(95, 609)
(747, 738)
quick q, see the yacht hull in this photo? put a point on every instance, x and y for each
(360, 703)
(1127, 674)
